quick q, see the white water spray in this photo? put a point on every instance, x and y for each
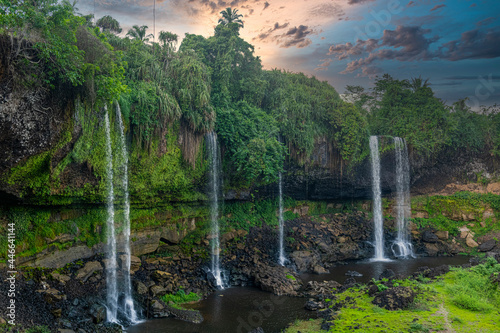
(214, 188)
(402, 247)
(128, 306)
(282, 258)
(111, 286)
(377, 200)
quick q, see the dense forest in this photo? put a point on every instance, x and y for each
(170, 97)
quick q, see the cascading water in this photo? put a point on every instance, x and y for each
(282, 258)
(128, 306)
(214, 189)
(402, 247)
(377, 200)
(111, 285)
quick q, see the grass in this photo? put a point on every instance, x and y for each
(305, 326)
(179, 298)
(464, 300)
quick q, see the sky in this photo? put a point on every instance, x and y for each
(455, 44)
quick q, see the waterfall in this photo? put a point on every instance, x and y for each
(282, 258)
(377, 200)
(214, 190)
(111, 285)
(402, 246)
(128, 306)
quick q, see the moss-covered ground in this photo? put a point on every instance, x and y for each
(463, 300)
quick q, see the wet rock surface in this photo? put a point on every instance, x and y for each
(396, 298)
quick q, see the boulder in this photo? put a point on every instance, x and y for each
(312, 305)
(90, 268)
(470, 241)
(387, 274)
(135, 263)
(141, 288)
(98, 313)
(320, 270)
(431, 249)
(157, 290)
(487, 246)
(52, 295)
(315, 288)
(60, 277)
(304, 260)
(464, 232)
(161, 275)
(443, 235)
(396, 298)
(354, 273)
(429, 237)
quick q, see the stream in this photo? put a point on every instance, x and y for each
(241, 309)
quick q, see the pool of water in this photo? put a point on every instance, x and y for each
(242, 309)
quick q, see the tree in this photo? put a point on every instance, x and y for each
(230, 16)
(139, 33)
(107, 23)
(167, 38)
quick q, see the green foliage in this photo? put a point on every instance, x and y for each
(472, 289)
(251, 138)
(180, 298)
(410, 110)
(38, 329)
(291, 277)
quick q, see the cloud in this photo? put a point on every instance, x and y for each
(402, 44)
(327, 10)
(436, 7)
(473, 44)
(295, 36)
(357, 2)
(324, 65)
(265, 35)
(486, 21)
(411, 43)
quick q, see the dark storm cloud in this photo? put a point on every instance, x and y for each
(402, 44)
(296, 36)
(473, 44)
(486, 21)
(356, 2)
(436, 7)
(265, 35)
(413, 43)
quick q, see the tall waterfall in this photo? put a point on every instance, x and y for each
(128, 306)
(377, 200)
(111, 285)
(214, 190)
(402, 246)
(282, 258)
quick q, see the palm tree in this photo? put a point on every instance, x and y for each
(107, 23)
(139, 33)
(230, 16)
(418, 82)
(167, 37)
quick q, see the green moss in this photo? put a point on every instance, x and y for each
(438, 305)
(176, 300)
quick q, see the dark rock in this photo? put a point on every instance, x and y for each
(429, 237)
(487, 246)
(320, 270)
(372, 290)
(353, 273)
(141, 288)
(315, 288)
(98, 313)
(304, 260)
(312, 305)
(257, 330)
(192, 316)
(387, 274)
(396, 298)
